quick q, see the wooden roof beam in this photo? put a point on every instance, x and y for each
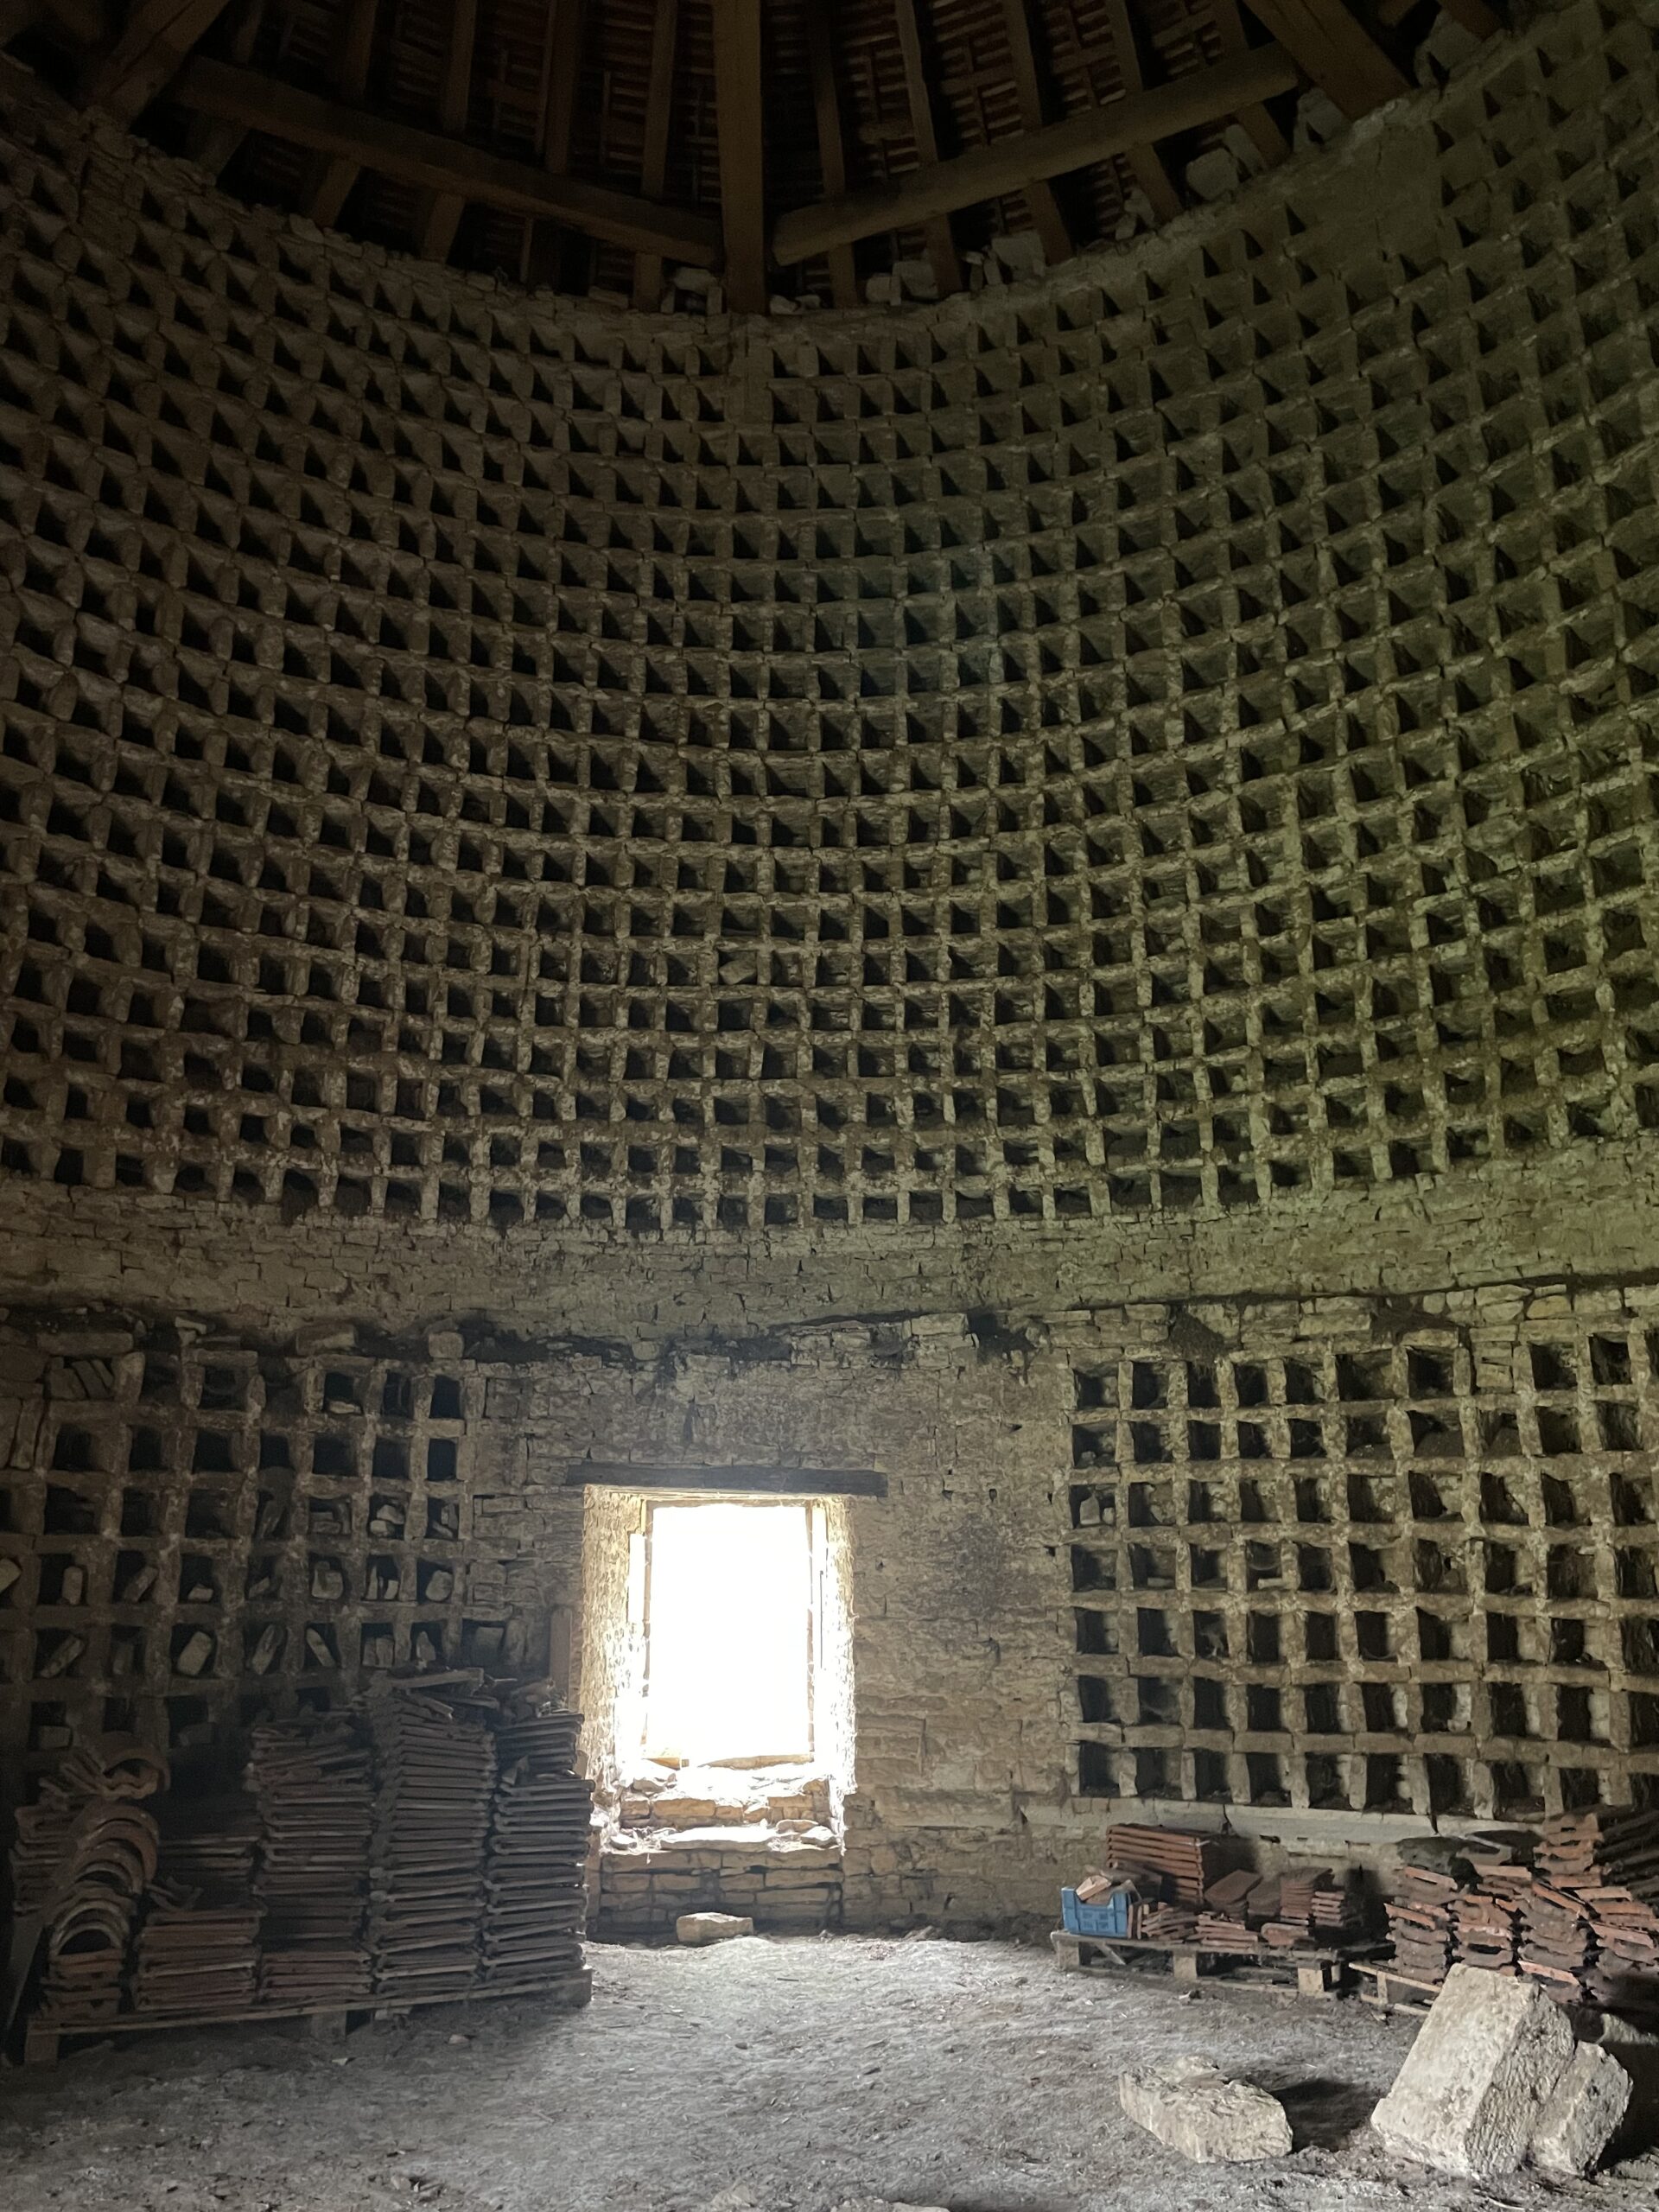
(1146, 162)
(147, 54)
(1335, 49)
(431, 162)
(739, 103)
(1091, 135)
(654, 167)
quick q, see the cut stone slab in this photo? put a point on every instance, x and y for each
(1196, 2110)
(1474, 2085)
(700, 1927)
(1579, 2122)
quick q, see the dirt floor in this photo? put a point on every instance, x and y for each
(789, 2075)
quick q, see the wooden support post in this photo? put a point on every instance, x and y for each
(332, 180)
(1046, 220)
(739, 99)
(562, 74)
(653, 168)
(441, 215)
(1264, 133)
(940, 246)
(1146, 161)
(832, 147)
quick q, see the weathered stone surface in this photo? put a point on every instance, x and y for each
(1583, 2110)
(701, 1928)
(1196, 2110)
(1475, 2082)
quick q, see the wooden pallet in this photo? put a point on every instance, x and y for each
(43, 2039)
(1313, 1973)
(1396, 1992)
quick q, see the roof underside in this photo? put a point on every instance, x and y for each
(790, 148)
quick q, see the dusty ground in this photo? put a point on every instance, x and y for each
(970, 2076)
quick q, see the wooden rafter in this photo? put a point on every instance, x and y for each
(654, 167)
(1089, 136)
(739, 101)
(434, 163)
(331, 181)
(1335, 49)
(215, 144)
(148, 54)
(441, 215)
(1045, 217)
(832, 146)
(84, 22)
(940, 246)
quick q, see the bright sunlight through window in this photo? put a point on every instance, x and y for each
(727, 1633)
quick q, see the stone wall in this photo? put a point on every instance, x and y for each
(1053, 896)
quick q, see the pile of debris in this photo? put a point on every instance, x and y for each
(1168, 1885)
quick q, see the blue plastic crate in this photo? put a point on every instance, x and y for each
(1111, 1918)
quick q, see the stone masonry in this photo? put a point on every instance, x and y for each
(1053, 896)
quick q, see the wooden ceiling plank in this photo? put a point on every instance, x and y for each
(215, 145)
(739, 106)
(940, 246)
(1263, 132)
(1335, 49)
(1046, 220)
(331, 181)
(430, 161)
(561, 72)
(1146, 162)
(832, 144)
(1078, 142)
(654, 167)
(148, 54)
(441, 217)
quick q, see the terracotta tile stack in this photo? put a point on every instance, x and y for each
(109, 1862)
(1485, 1918)
(114, 1768)
(1223, 1924)
(1608, 1863)
(435, 1759)
(535, 1898)
(1420, 1924)
(1187, 1864)
(198, 1949)
(312, 1782)
(1557, 1944)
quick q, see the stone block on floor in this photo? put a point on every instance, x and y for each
(1195, 2109)
(1476, 2081)
(1583, 2111)
(698, 1929)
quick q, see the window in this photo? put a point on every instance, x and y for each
(728, 1632)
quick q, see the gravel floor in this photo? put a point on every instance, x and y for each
(788, 2075)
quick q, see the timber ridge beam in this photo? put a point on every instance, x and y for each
(430, 161)
(1207, 96)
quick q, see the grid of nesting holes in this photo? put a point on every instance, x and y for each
(1388, 1578)
(202, 1539)
(1175, 738)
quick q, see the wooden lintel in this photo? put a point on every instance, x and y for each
(740, 108)
(1089, 136)
(432, 163)
(770, 1481)
(1334, 48)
